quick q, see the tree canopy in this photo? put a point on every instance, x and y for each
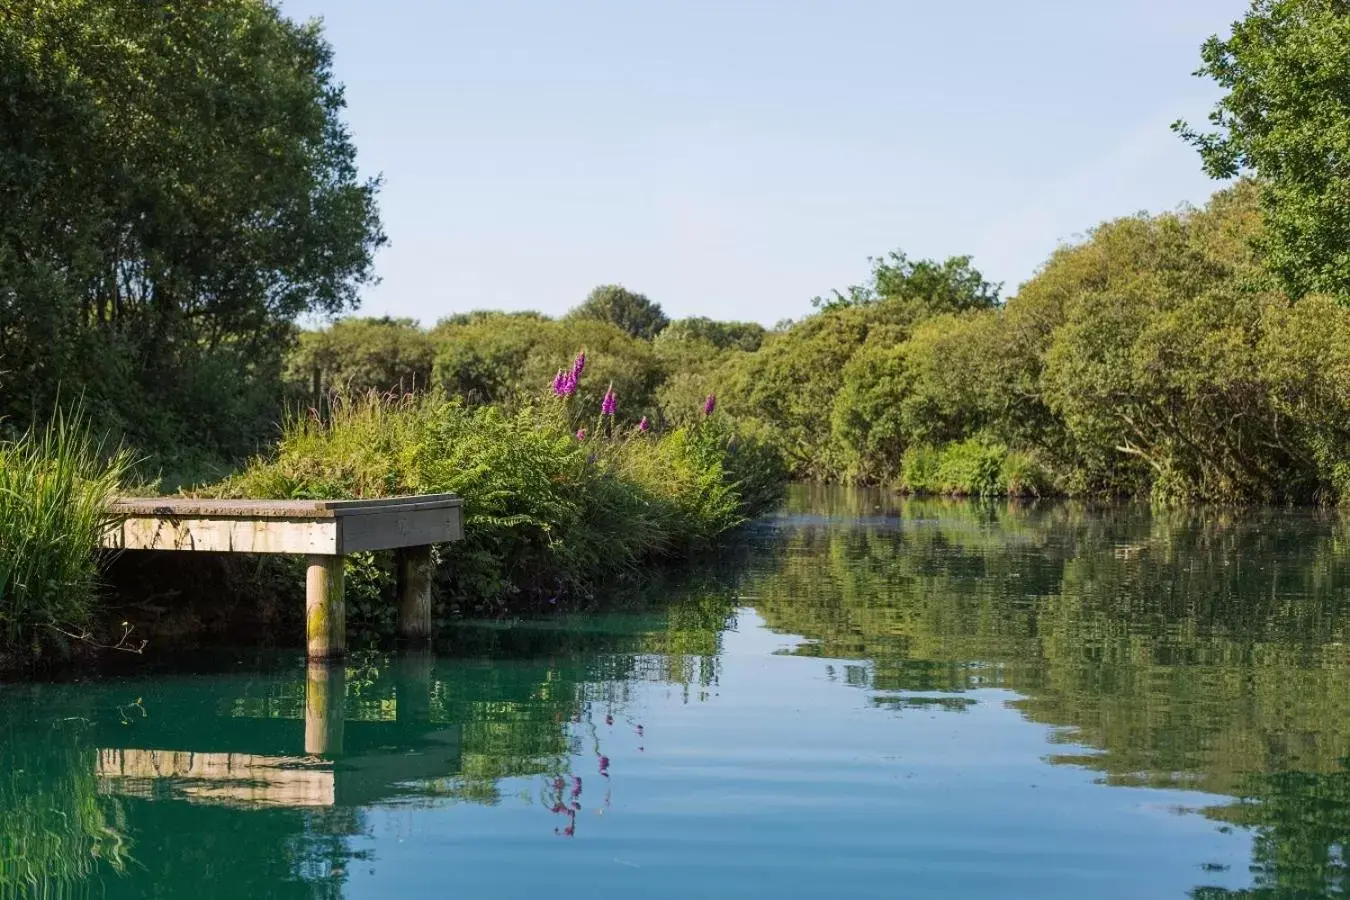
(1286, 117)
(177, 187)
(633, 312)
(952, 285)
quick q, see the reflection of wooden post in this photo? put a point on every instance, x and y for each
(325, 691)
(414, 594)
(325, 611)
(412, 686)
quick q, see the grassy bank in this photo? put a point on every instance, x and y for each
(553, 506)
(54, 485)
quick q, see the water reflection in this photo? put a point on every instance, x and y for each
(1204, 652)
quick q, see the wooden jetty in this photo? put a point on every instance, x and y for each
(323, 531)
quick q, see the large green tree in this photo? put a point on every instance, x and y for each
(634, 313)
(176, 186)
(1286, 116)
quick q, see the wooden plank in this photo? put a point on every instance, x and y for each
(226, 535)
(206, 508)
(403, 528)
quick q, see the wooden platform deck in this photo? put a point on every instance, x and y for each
(324, 531)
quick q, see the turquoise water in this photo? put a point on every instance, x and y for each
(862, 698)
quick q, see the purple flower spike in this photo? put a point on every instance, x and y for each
(710, 404)
(558, 381)
(581, 434)
(644, 426)
(579, 364)
(610, 403)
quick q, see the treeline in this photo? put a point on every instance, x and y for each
(1157, 358)
(178, 188)
(1195, 356)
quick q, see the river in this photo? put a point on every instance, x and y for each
(861, 696)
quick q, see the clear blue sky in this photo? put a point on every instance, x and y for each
(734, 158)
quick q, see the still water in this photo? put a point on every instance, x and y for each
(863, 698)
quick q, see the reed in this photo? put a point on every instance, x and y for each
(55, 484)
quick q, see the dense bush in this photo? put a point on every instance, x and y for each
(550, 510)
(1155, 358)
(507, 358)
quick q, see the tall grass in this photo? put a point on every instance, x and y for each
(548, 516)
(55, 484)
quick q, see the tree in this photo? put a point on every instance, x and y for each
(177, 187)
(632, 312)
(358, 355)
(721, 335)
(1286, 70)
(933, 287)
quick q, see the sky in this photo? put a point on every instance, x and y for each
(735, 158)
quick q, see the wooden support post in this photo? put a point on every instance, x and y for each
(414, 594)
(325, 609)
(325, 693)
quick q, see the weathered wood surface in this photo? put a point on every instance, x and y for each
(325, 607)
(323, 531)
(415, 573)
(303, 527)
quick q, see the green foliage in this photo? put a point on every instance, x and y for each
(177, 188)
(976, 467)
(546, 515)
(55, 484)
(632, 312)
(510, 359)
(746, 336)
(934, 287)
(358, 355)
(1286, 70)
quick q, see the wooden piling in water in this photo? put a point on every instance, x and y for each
(414, 594)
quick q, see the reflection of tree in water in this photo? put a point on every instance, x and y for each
(1302, 823)
(1199, 650)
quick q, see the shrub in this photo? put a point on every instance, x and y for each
(547, 514)
(977, 467)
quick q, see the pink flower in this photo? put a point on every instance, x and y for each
(579, 364)
(644, 426)
(610, 403)
(564, 383)
(710, 404)
(581, 434)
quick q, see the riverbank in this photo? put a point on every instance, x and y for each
(559, 504)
